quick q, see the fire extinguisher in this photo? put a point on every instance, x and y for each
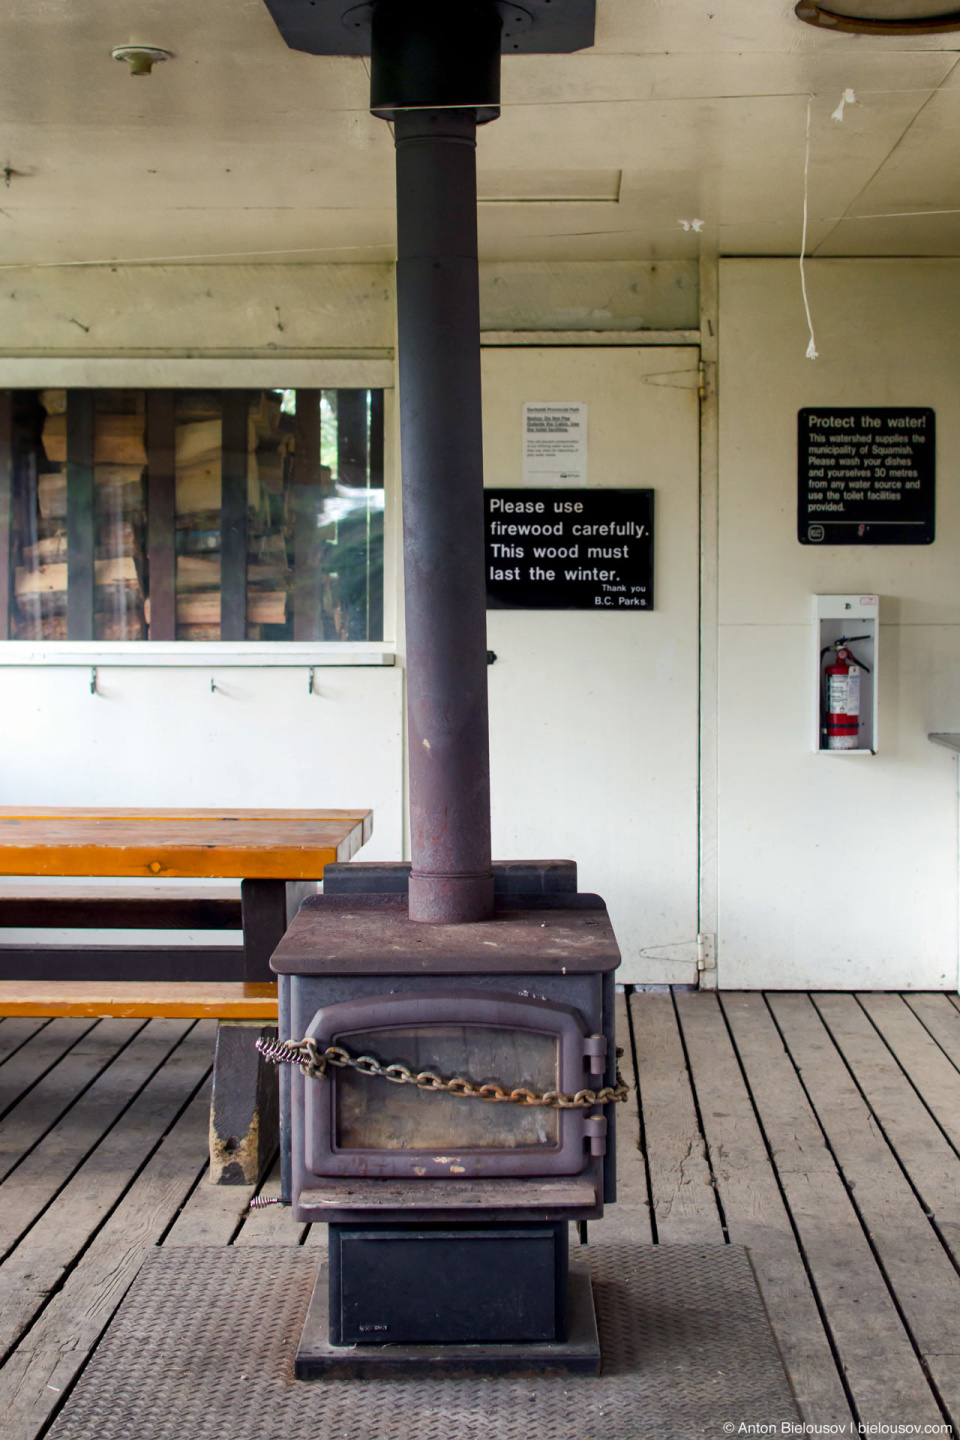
(841, 695)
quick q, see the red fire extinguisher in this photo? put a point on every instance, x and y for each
(841, 701)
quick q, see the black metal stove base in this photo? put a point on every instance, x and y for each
(579, 1354)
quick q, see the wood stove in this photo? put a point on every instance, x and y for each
(448, 1199)
(386, 1154)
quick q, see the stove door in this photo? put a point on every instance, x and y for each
(367, 1125)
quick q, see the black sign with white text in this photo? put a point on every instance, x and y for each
(569, 549)
(866, 476)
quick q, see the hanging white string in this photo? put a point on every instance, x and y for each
(812, 347)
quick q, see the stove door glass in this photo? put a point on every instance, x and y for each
(373, 1114)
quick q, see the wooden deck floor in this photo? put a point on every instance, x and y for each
(821, 1131)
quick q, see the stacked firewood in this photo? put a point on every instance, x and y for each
(199, 474)
(120, 458)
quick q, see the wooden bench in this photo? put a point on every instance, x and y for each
(108, 905)
(277, 855)
(135, 1000)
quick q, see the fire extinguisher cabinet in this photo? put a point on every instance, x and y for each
(846, 646)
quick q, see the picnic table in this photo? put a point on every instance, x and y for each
(277, 855)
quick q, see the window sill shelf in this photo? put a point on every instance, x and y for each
(222, 655)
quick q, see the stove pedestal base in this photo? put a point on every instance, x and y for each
(579, 1354)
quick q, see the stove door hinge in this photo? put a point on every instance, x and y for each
(595, 1053)
(595, 1130)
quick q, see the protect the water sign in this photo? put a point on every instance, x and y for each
(866, 476)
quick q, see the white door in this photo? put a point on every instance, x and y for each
(593, 716)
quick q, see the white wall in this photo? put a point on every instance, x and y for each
(161, 737)
(593, 717)
(834, 871)
(157, 735)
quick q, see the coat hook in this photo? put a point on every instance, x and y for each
(311, 689)
(93, 680)
(213, 686)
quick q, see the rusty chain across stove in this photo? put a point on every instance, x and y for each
(313, 1063)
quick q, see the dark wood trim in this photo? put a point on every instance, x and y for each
(307, 499)
(161, 514)
(376, 439)
(112, 913)
(233, 516)
(352, 437)
(374, 629)
(6, 510)
(264, 923)
(116, 962)
(80, 515)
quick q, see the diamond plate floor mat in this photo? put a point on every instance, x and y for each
(204, 1344)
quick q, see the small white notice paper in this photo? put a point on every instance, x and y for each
(554, 443)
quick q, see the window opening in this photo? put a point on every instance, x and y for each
(191, 515)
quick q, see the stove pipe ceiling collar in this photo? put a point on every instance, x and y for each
(336, 27)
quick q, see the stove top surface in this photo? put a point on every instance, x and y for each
(373, 935)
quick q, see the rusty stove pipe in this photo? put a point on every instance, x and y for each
(435, 73)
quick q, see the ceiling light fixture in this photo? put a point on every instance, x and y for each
(882, 17)
(140, 58)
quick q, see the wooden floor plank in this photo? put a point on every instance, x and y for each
(941, 1019)
(35, 1378)
(755, 1213)
(316, 1237)
(923, 1119)
(685, 1207)
(211, 1215)
(37, 1056)
(15, 1031)
(927, 1288)
(89, 1210)
(57, 1091)
(878, 1361)
(45, 1254)
(629, 1218)
(50, 1164)
(273, 1224)
(925, 1283)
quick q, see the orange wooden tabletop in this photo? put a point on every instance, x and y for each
(226, 844)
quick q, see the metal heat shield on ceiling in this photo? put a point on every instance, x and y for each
(335, 27)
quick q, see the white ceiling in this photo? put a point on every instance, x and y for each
(239, 148)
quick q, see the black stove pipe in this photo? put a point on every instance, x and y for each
(435, 73)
